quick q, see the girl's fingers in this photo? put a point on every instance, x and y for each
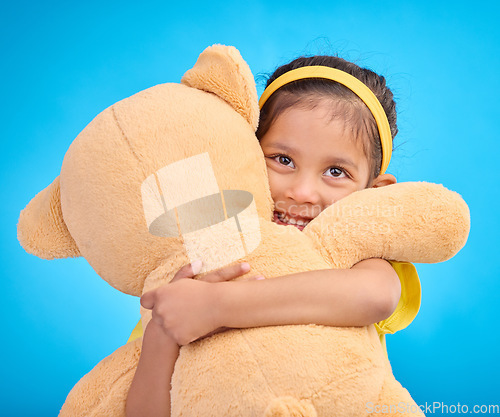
(223, 274)
(188, 271)
(228, 273)
(254, 278)
(148, 300)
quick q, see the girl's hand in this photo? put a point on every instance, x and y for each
(187, 309)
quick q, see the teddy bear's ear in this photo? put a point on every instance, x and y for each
(41, 229)
(221, 70)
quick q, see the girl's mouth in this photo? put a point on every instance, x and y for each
(286, 220)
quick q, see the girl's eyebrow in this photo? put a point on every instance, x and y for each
(341, 161)
(282, 147)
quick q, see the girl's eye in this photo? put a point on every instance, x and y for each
(284, 160)
(335, 172)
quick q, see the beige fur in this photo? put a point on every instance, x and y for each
(275, 371)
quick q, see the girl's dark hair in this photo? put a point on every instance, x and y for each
(308, 92)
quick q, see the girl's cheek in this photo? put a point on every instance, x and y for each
(273, 183)
(278, 187)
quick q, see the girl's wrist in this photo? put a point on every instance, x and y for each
(231, 298)
(156, 338)
(224, 298)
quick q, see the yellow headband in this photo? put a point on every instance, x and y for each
(351, 82)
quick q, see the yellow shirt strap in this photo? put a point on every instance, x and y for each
(409, 302)
(136, 333)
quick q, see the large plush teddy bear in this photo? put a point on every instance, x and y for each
(175, 173)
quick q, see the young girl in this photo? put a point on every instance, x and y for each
(326, 130)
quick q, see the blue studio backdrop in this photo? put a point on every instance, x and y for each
(64, 62)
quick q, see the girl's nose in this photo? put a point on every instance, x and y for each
(304, 189)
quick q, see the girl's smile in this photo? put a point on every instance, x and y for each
(286, 219)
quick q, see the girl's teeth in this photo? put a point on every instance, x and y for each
(285, 219)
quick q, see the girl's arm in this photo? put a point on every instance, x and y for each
(365, 294)
(149, 394)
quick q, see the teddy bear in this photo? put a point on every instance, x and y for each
(175, 173)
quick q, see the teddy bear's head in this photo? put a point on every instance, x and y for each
(157, 175)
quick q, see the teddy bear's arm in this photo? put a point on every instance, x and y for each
(412, 222)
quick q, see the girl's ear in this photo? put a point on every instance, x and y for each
(221, 70)
(41, 229)
(384, 179)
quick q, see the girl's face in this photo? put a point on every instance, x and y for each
(312, 162)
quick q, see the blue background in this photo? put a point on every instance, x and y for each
(63, 63)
